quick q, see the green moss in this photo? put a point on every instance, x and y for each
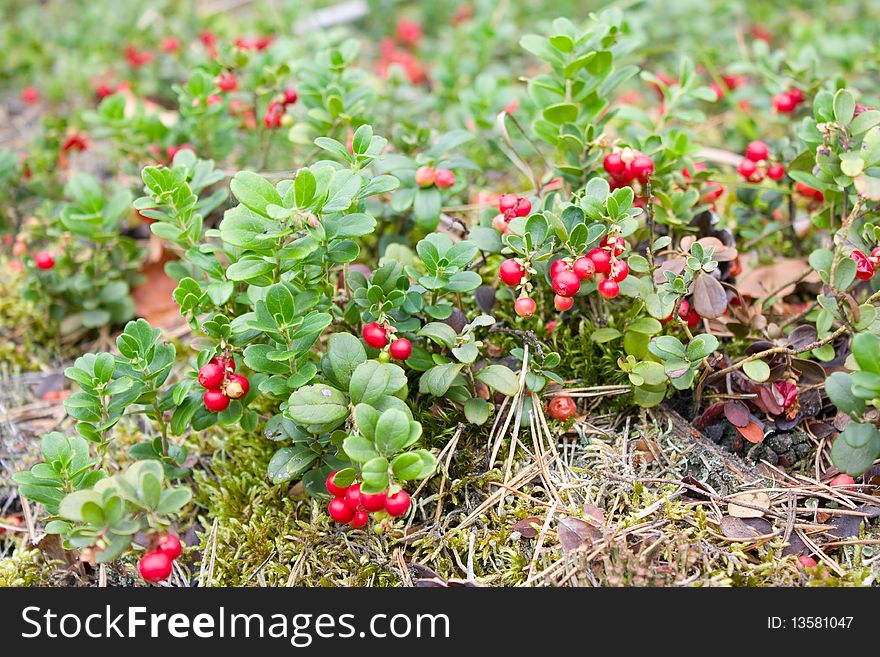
(24, 568)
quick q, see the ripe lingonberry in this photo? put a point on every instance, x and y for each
(563, 303)
(44, 260)
(211, 376)
(525, 306)
(601, 260)
(511, 272)
(776, 172)
(272, 118)
(864, 266)
(584, 268)
(566, 283)
(373, 502)
(425, 176)
(333, 489)
(683, 309)
(784, 103)
(523, 207)
(561, 408)
(618, 243)
(757, 151)
(619, 270)
(226, 362)
(360, 519)
(609, 288)
(340, 511)
(557, 266)
(290, 96)
(374, 335)
(693, 318)
(400, 349)
(613, 164)
(642, 167)
(500, 223)
(216, 401)
(171, 546)
(397, 504)
(237, 386)
(807, 561)
(507, 202)
(353, 496)
(747, 169)
(227, 81)
(155, 566)
(444, 178)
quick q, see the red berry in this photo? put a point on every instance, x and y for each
(875, 253)
(783, 103)
(211, 376)
(290, 96)
(425, 176)
(155, 567)
(563, 303)
(523, 207)
(618, 243)
(340, 511)
(507, 202)
(566, 283)
(226, 362)
(807, 562)
(747, 169)
(683, 308)
(776, 172)
(511, 272)
(397, 504)
(613, 164)
(333, 489)
(525, 306)
(561, 408)
(353, 496)
(30, 95)
(374, 335)
(216, 401)
(360, 519)
(499, 223)
(227, 81)
(692, 318)
(619, 270)
(842, 480)
(642, 167)
(444, 178)
(757, 151)
(171, 546)
(583, 268)
(796, 95)
(272, 118)
(400, 349)
(601, 260)
(237, 386)
(373, 502)
(561, 265)
(609, 288)
(864, 266)
(44, 260)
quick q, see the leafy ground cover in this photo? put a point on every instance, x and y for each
(483, 295)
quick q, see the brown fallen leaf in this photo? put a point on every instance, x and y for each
(526, 527)
(762, 281)
(737, 413)
(574, 533)
(736, 528)
(753, 498)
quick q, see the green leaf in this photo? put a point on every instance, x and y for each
(866, 351)
(375, 473)
(373, 380)
(844, 107)
(392, 432)
(476, 410)
(289, 463)
(359, 449)
(757, 370)
(500, 378)
(856, 448)
(603, 335)
(407, 466)
(344, 353)
(317, 404)
(436, 381)
(838, 387)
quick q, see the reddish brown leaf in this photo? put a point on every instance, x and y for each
(752, 432)
(737, 413)
(709, 298)
(737, 529)
(526, 527)
(574, 534)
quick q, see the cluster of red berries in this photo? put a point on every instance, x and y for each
(137, 57)
(221, 383)
(408, 34)
(428, 176)
(866, 265)
(510, 206)
(628, 165)
(755, 165)
(376, 336)
(275, 112)
(685, 312)
(349, 505)
(561, 408)
(44, 260)
(155, 565)
(788, 101)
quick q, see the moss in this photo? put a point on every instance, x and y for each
(24, 568)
